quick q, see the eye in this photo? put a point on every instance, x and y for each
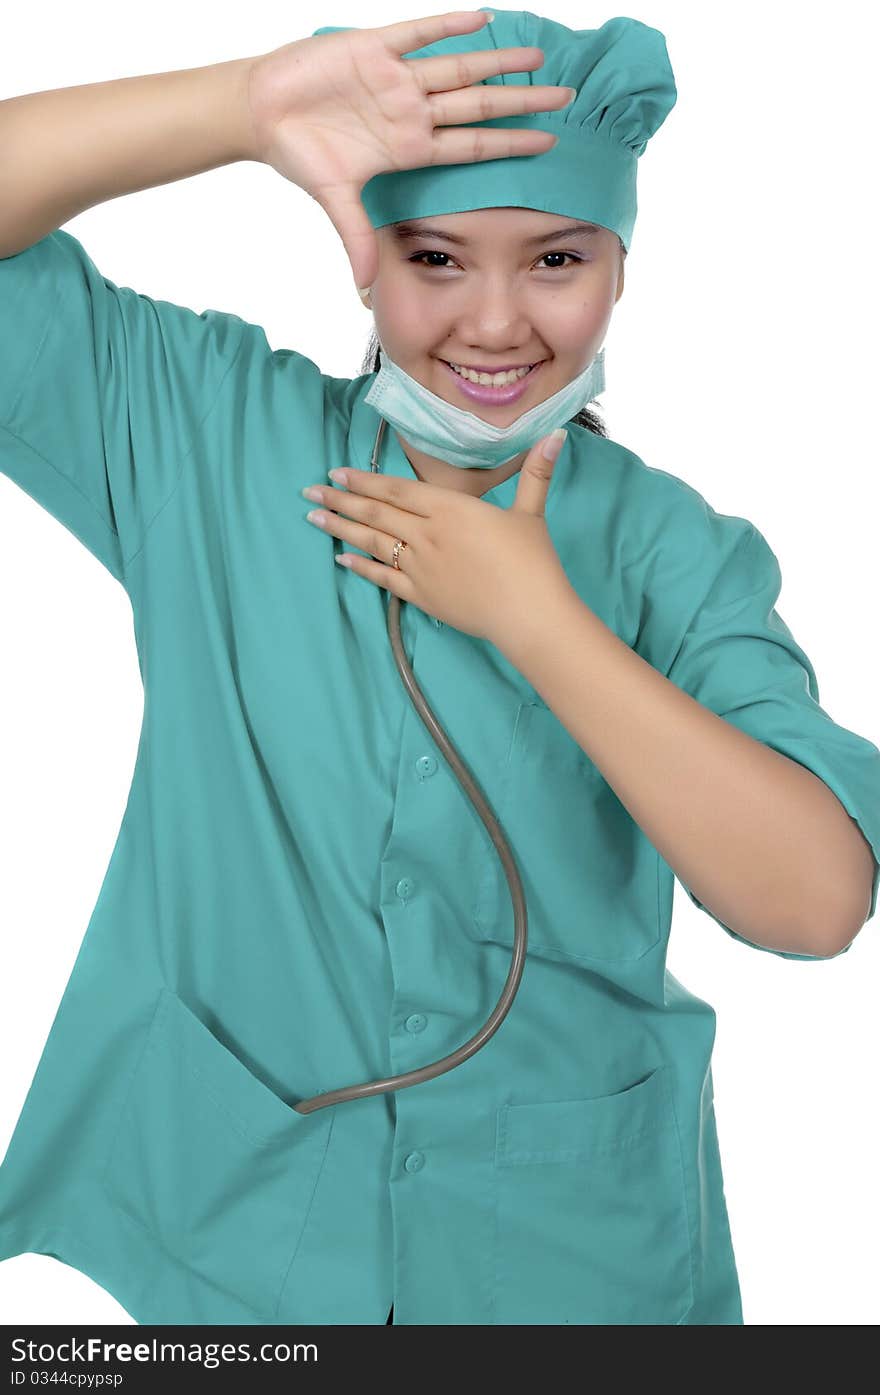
(560, 254)
(419, 255)
(418, 258)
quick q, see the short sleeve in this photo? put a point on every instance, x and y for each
(102, 393)
(739, 659)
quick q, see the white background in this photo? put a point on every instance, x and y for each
(742, 358)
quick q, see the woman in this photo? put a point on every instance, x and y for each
(303, 901)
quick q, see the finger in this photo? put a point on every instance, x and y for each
(442, 74)
(369, 538)
(537, 471)
(410, 34)
(485, 103)
(394, 579)
(456, 145)
(413, 496)
(370, 523)
(343, 206)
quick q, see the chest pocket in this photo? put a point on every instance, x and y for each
(589, 874)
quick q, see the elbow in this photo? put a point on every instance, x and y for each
(845, 915)
(835, 935)
(839, 945)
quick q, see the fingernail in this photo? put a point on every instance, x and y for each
(553, 444)
(364, 293)
(490, 15)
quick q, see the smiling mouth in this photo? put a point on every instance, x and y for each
(486, 392)
(485, 377)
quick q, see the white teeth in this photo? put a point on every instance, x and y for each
(491, 379)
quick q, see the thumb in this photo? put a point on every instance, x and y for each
(536, 471)
(343, 206)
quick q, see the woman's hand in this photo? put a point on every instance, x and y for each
(331, 111)
(479, 568)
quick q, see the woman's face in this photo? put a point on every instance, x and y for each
(508, 291)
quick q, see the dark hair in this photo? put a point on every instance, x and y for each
(591, 420)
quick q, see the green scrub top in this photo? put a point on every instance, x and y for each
(302, 897)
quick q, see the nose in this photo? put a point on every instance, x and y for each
(494, 322)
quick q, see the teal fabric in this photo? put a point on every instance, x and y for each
(625, 89)
(301, 896)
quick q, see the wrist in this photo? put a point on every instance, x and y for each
(521, 633)
(250, 138)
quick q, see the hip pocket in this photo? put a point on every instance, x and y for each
(213, 1163)
(590, 876)
(591, 1211)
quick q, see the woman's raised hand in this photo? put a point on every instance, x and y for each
(331, 111)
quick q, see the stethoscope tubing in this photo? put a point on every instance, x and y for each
(514, 881)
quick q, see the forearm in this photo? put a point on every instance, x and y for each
(762, 842)
(67, 149)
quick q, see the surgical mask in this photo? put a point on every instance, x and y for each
(435, 426)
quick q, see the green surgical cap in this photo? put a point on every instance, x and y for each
(625, 90)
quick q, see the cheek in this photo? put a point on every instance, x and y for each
(576, 322)
(403, 319)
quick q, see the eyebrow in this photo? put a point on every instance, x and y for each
(407, 232)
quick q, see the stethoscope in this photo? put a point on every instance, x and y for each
(475, 794)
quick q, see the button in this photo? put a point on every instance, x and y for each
(404, 887)
(426, 766)
(416, 1022)
(414, 1162)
